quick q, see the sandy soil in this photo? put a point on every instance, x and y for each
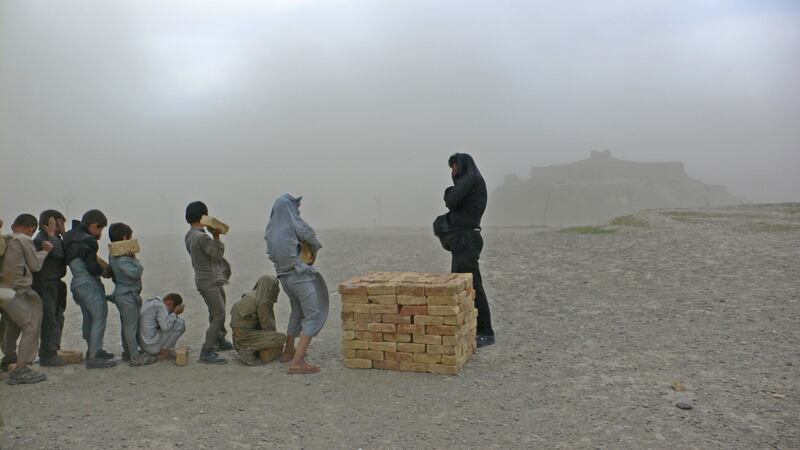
(592, 330)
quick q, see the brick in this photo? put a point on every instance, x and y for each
(356, 344)
(381, 289)
(411, 348)
(441, 289)
(427, 339)
(414, 310)
(214, 223)
(369, 336)
(348, 325)
(382, 327)
(346, 316)
(449, 340)
(454, 320)
(353, 289)
(383, 299)
(270, 354)
(410, 329)
(349, 353)
(449, 360)
(411, 300)
(449, 300)
(403, 338)
(428, 320)
(395, 318)
(182, 356)
(443, 369)
(415, 290)
(444, 330)
(374, 355)
(383, 346)
(354, 298)
(348, 335)
(358, 308)
(399, 356)
(358, 363)
(71, 356)
(388, 364)
(383, 309)
(444, 310)
(120, 248)
(441, 349)
(361, 326)
(369, 318)
(427, 358)
(413, 367)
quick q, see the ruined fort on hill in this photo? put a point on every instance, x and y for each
(598, 189)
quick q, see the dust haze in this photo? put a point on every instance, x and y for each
(137, 108)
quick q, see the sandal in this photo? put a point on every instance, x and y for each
(304, 370)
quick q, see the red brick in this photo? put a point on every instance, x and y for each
(414, 310)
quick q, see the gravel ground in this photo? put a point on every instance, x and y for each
(593, 330)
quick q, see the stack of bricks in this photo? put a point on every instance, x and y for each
(416, 322)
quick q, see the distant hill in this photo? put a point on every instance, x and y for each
(598, 189)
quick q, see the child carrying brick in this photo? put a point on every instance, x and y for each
(80, 253)
(47, 283)
(126, 271)
(211, 274)
(22, 313)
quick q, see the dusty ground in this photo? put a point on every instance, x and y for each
(592, 331)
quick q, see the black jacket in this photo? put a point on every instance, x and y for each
(466, 199)
(54, 267)
(79, 243)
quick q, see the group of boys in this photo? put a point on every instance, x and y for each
(33, 296)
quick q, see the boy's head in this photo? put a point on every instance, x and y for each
(25, 224)
(119, 232)
(94, 220)
(45, 216)
(195, 211)
(172, 300)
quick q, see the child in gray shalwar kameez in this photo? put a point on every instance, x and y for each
(308, 294)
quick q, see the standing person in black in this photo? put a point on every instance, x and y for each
(466, 202)
(47, 283)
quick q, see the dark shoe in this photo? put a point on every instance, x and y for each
(102, 354)
(99, 363)
(7, 361)
(225, 345)
(248, 357)
(482, 340)
(143, 360)
(52, 361)
(26, 376)
(209, 357)
(126, 356)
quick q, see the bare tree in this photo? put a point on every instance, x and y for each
(64, 203)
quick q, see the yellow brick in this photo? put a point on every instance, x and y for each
(361, 326)
(444, 330)
(449, 340)
(402, 338)
(383, 299)
(416, 290)
(369, 318)
(348, 325)
(410, 329)
(358, 308)
(399, 356)
(348, 335)
(381, 289)
(427, 339)
(346, 316)
(388, 364)
(441, 349)
(395, 318)
(369, 336)
(353, 288)
(389, 337)
(411, 300)
(353, 298)
(428, 320)
(443, 310)
(383, 346)
(383, 309)
(443, 369)
(382, 327)
(449, 360)
(355, 344)
(411, 348)
(427, 358)
(349, 353)
(441, 289)
(358, 363)
(454, 320)
(450, 300)
(374, 355)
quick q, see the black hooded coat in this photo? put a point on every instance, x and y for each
(466, 199)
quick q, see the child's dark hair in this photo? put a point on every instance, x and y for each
(195, 211)
(94, 216)
(176, 299)
(119, 231)
(46, 215)
(25, 220)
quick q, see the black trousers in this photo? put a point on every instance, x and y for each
(466, 247)
(54, 301)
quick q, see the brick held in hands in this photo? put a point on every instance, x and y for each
(414, 310)
(411, 348)
(355, 344)
(428, 320)
(215, 224)
(383, 346)
(382, 327)
(358, 363)
(374, 355)
(383, 309)
(427, 339)
(121, 248)
(427, 358)
(354, 298)
(383, 299)
(411, 300)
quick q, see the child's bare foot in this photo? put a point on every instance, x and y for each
(303, 369)
(286, 356)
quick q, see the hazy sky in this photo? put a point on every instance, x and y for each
(139, 107)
